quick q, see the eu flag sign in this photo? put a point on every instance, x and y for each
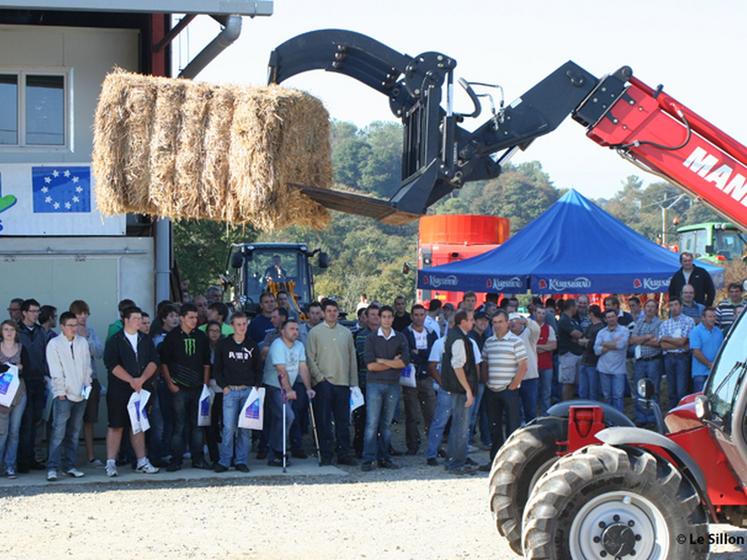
(61, 189)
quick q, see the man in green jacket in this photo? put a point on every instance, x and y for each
(331, 358)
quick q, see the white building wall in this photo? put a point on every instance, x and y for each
(58, 277)
(99, 270)
(88, 54)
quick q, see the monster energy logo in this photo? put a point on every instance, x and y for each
(190, 346)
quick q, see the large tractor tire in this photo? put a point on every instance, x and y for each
(518, 465)
(603, 502)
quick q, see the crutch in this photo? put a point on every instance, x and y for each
(316, 434)
(283, 401)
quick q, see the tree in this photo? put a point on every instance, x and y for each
(626, 204)
(381, 172)
(641, 208)
(348, 150)
(520, 193)
(201, 249)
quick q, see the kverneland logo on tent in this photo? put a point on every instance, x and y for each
(652, 284)
(558, 285)
(503, 283)
(436, 282)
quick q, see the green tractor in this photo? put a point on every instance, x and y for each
(716, 242)
(254, 268)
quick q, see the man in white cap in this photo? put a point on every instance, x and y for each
(529, 332)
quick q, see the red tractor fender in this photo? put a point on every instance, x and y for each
(610, 415)
(667, 449)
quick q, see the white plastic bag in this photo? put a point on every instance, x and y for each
(356, 398)
(137, 412)
(204, 406)
(9, 384)
(253, 410)
(86, 392)
(407, 376)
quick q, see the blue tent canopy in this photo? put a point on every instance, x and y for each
(575, 247)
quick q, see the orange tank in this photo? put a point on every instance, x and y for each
(446, 238)
(463, 229)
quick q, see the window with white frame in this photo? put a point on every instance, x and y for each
(33, 108)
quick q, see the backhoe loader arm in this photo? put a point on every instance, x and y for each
(438, 155)
(644, 125)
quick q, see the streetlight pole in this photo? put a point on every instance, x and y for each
(664, 209)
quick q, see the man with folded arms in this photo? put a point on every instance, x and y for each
(386, 353)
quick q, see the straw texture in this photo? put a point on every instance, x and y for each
(186, 150)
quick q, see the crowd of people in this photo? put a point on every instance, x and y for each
(475, 374)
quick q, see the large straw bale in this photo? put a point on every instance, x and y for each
(181, 149)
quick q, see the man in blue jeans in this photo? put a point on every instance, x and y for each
(611, 345)
(386, 352)
(185, 359)
(647, 355)
(674, 339)
(529, 332)
(459, 378)
(237, 370)
(444, 402)
(285, 364)
(69, 362)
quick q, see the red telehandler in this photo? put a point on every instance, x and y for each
(582, 482)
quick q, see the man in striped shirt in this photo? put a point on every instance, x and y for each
(727, 310)
(505, 357)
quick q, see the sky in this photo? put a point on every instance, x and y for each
(696, 49)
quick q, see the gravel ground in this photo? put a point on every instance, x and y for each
(418, 512)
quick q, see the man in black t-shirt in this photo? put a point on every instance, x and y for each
(185, 363)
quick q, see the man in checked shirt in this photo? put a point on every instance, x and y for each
(647, 354)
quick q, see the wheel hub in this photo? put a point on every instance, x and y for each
(619, 525)
(618, 540)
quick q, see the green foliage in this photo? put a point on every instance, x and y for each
(640, 208)
(201, 250)
(521, 193)
(367, 159)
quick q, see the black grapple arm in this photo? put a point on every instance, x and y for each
(438, 155)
